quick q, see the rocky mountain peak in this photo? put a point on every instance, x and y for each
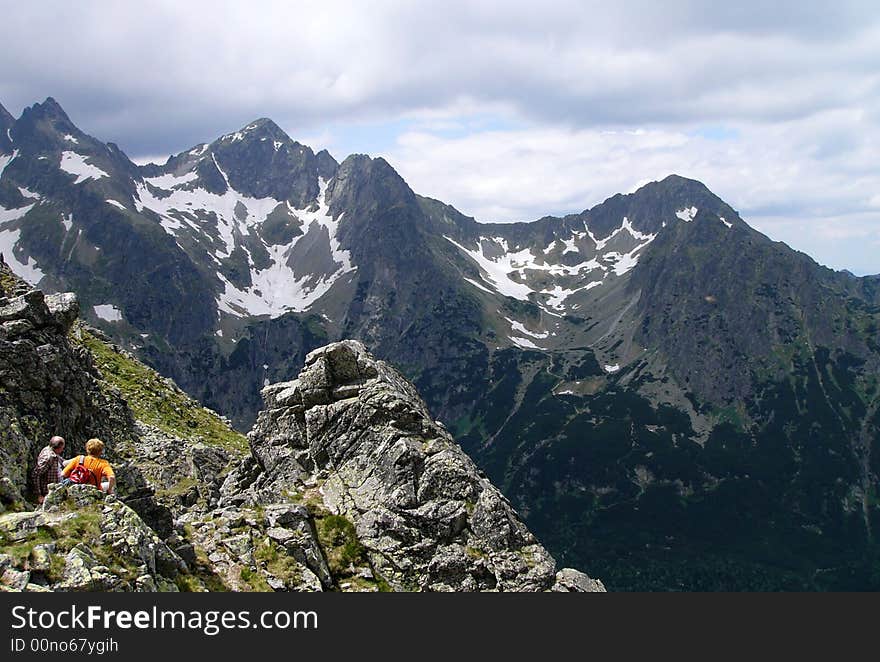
(364, 185)
(257, 130)
(50, 109)
(261, 161)
(44, 132)
(327, 165)
(47, 118)
(656, 205)
(357, 431)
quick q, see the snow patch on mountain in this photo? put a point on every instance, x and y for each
(522, 342)
(512, 272)
(622, 263)
(520, 328)
(108, 312)
(558, 294)
(477, 285)
(570, 246)
(6, 159)
(76, 164)
(687, 214)
(28, 269)
(324, 218)
(497, 270)
(171, 181)
(190, 207)
(115, 203)
(7, 215)
(278, 289)
(551, 246)
(625, 226)
(221, 221)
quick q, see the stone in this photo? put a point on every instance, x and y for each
(76, 575)
(346, 391)
(17, 580)
(41, 557)
(17, 327)
(569, 580)
(145, 584)
(64, 309)
(285, 515)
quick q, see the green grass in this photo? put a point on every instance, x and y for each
(341, 545)
(21, 552)
(475, 553)
(367, 585)
(201, 572)
(278, 562)
(155, 403)
(189, 584)
(255, 580)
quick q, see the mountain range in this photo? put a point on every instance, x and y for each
(667, 396)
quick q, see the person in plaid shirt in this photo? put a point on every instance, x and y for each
(48, 467)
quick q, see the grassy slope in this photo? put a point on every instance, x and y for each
(158, 402)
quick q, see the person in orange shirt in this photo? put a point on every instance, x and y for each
(102, 472)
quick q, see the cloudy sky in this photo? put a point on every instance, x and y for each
(507, 110)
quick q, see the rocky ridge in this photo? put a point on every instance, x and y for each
(349, 485)
(357, 430)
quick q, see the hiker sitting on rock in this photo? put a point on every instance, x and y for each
(48, 467)
(91, 469)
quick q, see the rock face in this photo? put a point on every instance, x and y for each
(358, 431)
(45, 376)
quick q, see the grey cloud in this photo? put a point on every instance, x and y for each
(161, 76)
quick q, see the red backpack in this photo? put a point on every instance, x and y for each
(82, 475)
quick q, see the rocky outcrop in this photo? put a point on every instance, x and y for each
(352, 433)
(47, 385)
(83, 540)
(50, 385)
